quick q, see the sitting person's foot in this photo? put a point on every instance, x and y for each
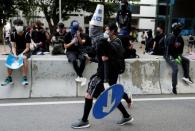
(24, 81)
(78, 79)
(80, 124)
(8, 81)
(187, 80)
(83, 81)
(124, 120)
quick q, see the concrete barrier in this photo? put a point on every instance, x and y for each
(53, 76)
(141, 76)
(17, 90)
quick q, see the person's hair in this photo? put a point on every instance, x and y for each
(61, 25)
(113, 27)
(39, 23)
(18, 22)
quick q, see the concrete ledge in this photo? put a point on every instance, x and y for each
(53, 76)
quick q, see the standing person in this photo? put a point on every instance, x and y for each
(157, 47)
(20, 45)
(191, 42)
(72, 43)
(105, 77)
(149, 42)
(123, 18)
(143, 41)
(174, 45)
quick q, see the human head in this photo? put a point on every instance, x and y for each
(19, 25)
(60, 27)
(159, 30)
(124, 5)
(113, 30)
(176, 28)
(74, 26)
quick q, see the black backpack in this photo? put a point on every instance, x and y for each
(120, 60)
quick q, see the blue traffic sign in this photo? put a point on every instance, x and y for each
(108, 101)
(14, 63)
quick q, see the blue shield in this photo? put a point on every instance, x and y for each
(13, 63)
(108, 101)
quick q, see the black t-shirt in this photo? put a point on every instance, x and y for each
(60, 37)
(175, 45)
(20, 41)
(39, 36)
(157, 39)
(67, 39)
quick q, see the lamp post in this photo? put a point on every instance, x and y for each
(60, 10)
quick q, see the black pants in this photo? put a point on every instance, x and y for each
(185, 65)
(73, 57)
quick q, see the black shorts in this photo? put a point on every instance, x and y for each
(28, 54)
(95, 86)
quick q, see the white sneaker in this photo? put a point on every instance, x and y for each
(187, 80)
(83, 81)
(78, 79)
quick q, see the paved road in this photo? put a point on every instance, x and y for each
(151, 113)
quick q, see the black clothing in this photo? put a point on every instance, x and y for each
(20, 41)
(149, 44)
(67, 39)
(157, 39)
(174, 46)
(123, 19)
(72, 58)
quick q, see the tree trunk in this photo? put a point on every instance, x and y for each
(1, 34)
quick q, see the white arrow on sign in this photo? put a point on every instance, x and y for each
(110, 104)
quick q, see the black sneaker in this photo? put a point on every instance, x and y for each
(124, 121)
(174, 90)
(81, 124)
(8, 81)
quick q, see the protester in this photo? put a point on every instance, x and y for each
(73, 41)
(58, 40)
(174, 46)
(40, 38)
(156, 46)
(104, 77)
(20, 45)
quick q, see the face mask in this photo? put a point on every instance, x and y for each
(176, 32)
(106, 35)
(19, 28)
(157, 32)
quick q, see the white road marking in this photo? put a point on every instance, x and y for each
(81, 102)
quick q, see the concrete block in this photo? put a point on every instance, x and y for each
(52, 77)
(166, 79)
(17, 90)
(141, 76)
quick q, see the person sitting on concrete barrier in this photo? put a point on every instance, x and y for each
(40, 38)
(106, 75)
(20, 45)
(73, 41)
(58, 40)
(174, 45)
(157, 50)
